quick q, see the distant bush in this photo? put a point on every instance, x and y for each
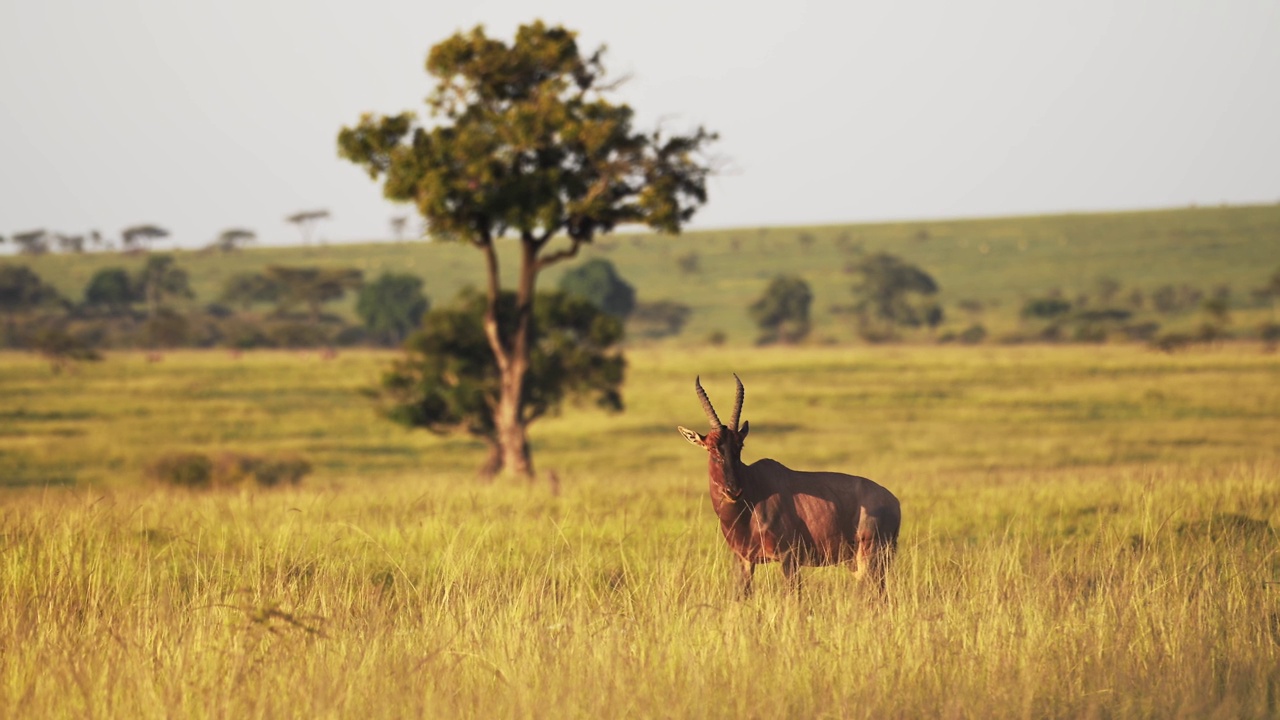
(658, 319)
(782, 311)
(973, 335)
(597, 281)
(62, 348)
(690, 263)
(1142, 332)
(227, 470)
(1045, 308)
(1172, 342)
(233, 469)
(187, 469)
(297, 335)
(1169, 299)
(717, 338)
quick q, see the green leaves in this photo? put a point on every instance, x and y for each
(448, 382)
(782, 312)
(527, 141)
(391, 306)
(598, 282)
(894, 292)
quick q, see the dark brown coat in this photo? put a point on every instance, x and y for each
(771, 513)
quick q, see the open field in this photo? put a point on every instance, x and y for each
(1089, 532)
(996, 262)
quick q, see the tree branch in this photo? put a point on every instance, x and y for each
(494, 291)
(558, 256)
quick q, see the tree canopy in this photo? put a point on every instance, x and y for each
(161, 280)
(306, 222)
(233, 239)
(111, 290)
(598, 282)
(141, 236)
(892, 292)
(312, 286)
(22, 290)
(392, 306)
(782, 311)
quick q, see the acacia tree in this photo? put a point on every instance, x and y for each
(141, 236)
(525, 140)
(32, 242)
(233, 239)
(306, 221)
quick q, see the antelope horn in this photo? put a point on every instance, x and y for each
(737, 403)
(706, 403)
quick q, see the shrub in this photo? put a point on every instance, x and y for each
(597, 281)
(1171, 342)
(227, 470)
(659, 319)
(185, 469)
(233, 469)
(973, 335)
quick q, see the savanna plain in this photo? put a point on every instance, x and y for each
(1089, 531)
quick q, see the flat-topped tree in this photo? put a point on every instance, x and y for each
(32, 242)
(140, 237)
(233, 239)
(306, 222)
(525, 141)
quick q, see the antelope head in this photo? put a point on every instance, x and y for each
(723, 443)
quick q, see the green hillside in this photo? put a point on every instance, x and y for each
(996, 262)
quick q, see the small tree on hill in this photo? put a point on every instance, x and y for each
(111, 290)
(306, 222)
(233, 239)
(32, 242)
(22, 290)
(890, 293)
(162, 280)
(659, 318)
(140, 237)
(598, 282)
(526, 141)
(447, 381)
(392, 306)
(312, 287)
(70, 243)
(398, 225)
(1270, 292)
(247, 289)
(782, 312)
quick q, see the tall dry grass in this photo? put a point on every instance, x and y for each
(1074, 546)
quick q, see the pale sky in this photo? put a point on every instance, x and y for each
(201, 116)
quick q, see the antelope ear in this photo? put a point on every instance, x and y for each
(742, 431)
(691, 436)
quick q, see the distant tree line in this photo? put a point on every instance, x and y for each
(153, 307)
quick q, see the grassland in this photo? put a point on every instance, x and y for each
(996, 262)
(1090, 532)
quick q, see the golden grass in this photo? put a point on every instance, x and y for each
(1088, 533)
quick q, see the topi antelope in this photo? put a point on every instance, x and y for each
(769, 512)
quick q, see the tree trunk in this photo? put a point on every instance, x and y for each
(512, 356)
(493, 461)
